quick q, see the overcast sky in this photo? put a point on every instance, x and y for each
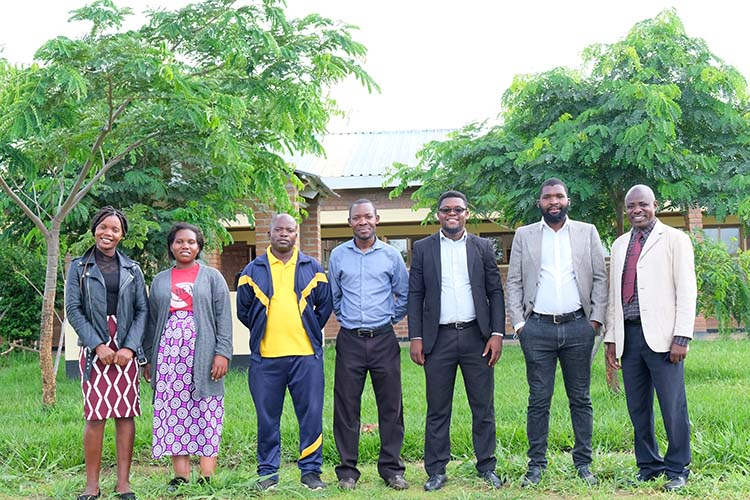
(441, 64)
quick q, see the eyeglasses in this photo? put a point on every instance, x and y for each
(455, 210)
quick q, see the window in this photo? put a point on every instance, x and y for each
(501, 252)
(327, 246)
(402, 245)
(728, 235)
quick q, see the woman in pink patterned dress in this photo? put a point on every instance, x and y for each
(188, 343)
(105, 302)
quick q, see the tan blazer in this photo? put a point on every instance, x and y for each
(667, 289)
(525, 266)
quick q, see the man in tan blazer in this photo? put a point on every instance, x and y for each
(650, 321)
(557, 299)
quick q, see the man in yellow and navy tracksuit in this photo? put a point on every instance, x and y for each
(283, 297)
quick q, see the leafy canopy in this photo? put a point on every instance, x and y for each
(656, 108)
(185, 118)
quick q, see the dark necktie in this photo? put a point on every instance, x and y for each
(629, 274)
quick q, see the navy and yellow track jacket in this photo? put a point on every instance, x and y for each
(314, 299)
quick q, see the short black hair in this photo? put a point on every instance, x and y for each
(552, 181)
(109, 211)
(179, 226)
(362, 201)
(452, 194)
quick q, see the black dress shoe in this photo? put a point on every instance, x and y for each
(397, 482)
(175, 483)
(642, 477)
(89, 497)
(676, 483)
(435, 482)
(585, 474)
(532, 477)
(491, 478)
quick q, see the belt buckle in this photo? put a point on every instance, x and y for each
(366, 332)
(458, 325)
(556, 321)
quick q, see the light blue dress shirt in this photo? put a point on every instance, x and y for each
(369, 288)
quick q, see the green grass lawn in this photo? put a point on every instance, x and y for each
(41, 452)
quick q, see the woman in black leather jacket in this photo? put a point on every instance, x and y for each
(105, 302)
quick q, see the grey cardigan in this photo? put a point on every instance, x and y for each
(212, 313)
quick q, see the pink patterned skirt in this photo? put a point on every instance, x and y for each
(184, 424)
(111, 390)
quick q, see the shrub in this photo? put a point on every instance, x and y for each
(723, 284)
(21, 280)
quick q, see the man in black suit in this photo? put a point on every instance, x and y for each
(456, 315)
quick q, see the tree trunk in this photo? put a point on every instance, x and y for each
(620, 214)
(49, 380)
(613, 379)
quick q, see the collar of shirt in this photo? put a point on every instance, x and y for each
(375, 246)
(646, 231)
(272, 259)
(462, 239)
(545, 225)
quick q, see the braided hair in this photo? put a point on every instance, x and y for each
(109, 211)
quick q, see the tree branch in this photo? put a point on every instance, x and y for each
(206, 71)
(36, 289)
(25, 208)
(111, 163)
(74, 195)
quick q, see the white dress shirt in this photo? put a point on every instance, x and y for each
(557, 292)
(456, 300)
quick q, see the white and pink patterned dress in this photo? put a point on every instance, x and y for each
(183, 423)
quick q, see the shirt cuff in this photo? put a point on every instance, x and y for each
(680, 340)
(518, 326)
(415, 338)
(496, 334)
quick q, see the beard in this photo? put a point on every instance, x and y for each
(452, 230)
(555, 219)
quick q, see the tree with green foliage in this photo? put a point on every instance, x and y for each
(724, 284)
(656, 108)
(195, 109)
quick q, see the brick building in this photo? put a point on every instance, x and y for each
(354, 167)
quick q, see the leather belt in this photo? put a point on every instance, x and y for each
(460, 325)
(370, 332)
(559, 319)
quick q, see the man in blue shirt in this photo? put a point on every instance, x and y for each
(370, 286)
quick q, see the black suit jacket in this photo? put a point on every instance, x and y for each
(424, 288)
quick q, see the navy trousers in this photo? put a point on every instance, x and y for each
(269, 379)
(643, 372)
(543, 344)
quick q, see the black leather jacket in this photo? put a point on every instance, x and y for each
(86, 305)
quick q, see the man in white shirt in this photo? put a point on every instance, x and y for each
(557, 300)
(456, 314)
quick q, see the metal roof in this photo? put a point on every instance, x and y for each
(360, 159)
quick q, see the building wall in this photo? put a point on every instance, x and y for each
(378, 196)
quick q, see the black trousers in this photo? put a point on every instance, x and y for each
(454, 348)
(355, 357)
(643, 372)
